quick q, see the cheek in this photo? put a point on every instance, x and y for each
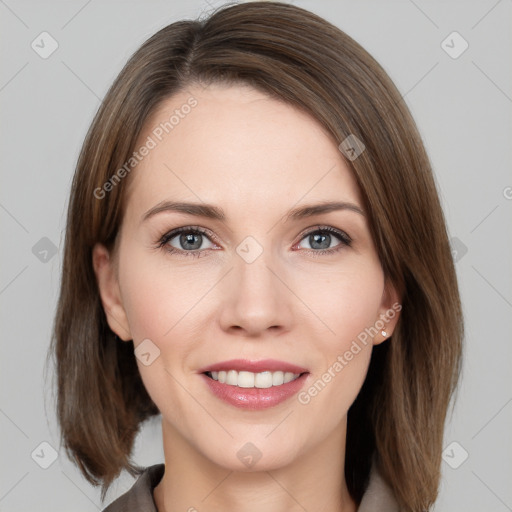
(346, 301)
(348, 305)
(163, 304)
(158, 300)
(158, 295)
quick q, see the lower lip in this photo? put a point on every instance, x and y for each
(255, 398)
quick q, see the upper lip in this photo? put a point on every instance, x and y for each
(240, 365)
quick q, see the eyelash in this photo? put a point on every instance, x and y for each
(345, 240)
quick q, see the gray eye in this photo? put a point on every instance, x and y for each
(320, 240)
(189, 241)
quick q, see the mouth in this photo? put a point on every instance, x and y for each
(248, 380)
(254, 385)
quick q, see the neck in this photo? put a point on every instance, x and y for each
(314, 481)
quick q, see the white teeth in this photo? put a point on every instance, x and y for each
(232, 378)
(253, 380)
(242, 379)
(288, 376)
(277, 378)
(263, 380)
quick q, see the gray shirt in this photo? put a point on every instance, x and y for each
(377, 498)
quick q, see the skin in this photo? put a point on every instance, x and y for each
(256, 158)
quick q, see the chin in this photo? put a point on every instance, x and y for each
(252, 454)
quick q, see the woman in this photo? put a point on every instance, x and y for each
(255, 250)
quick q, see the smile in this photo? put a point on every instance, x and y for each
(261, 380)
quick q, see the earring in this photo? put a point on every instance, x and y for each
(384, 333)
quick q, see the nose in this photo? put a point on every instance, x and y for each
(255, 297)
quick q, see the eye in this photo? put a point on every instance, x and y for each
(186, 241)
(189, 241)
(320, 240)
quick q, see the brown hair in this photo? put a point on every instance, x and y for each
(299, 58)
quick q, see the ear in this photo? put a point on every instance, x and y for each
(389, 313)
(110, 294)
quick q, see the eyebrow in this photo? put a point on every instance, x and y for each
(213, 212)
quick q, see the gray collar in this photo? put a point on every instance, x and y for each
(378, 496)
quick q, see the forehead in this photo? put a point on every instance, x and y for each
(235, 146)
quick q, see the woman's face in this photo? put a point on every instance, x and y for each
(259, 284)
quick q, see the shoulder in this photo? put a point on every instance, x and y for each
(139, 498)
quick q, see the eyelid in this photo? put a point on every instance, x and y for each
(174, 232)
(345, 237)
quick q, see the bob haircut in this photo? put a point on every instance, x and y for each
(299, 58)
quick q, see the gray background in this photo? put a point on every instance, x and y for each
(463, 109)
